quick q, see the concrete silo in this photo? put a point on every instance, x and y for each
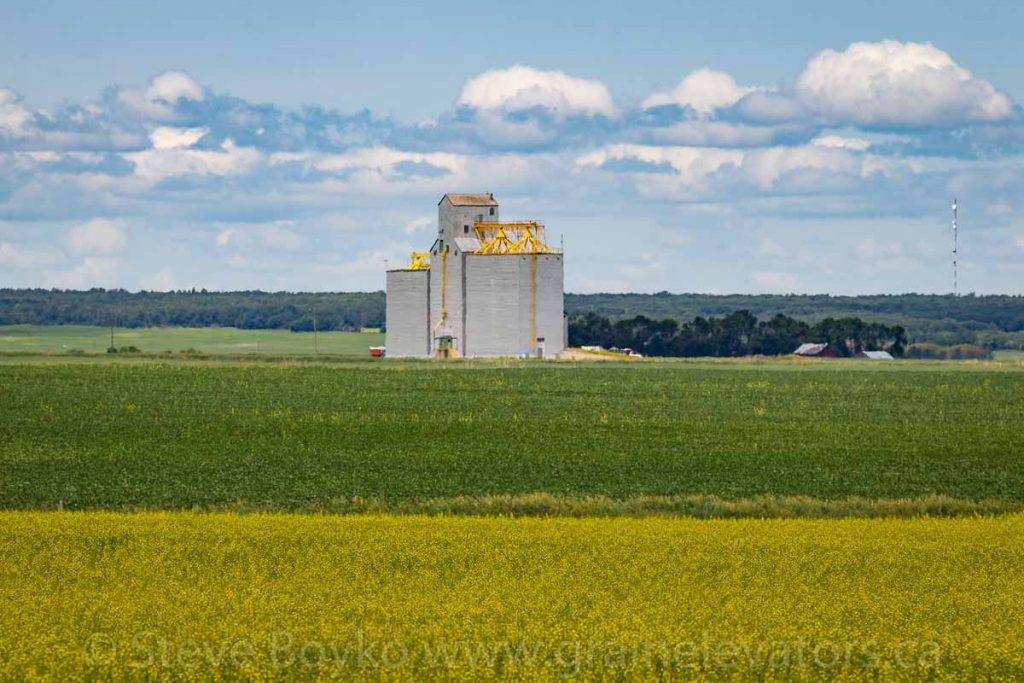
(491, 288)
(408, 309)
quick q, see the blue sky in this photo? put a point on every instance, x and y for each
(737, 147)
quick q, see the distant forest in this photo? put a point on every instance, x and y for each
(733, 335)
(995, 322)
(193, 308)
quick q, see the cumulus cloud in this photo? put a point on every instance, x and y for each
(381, 160)
(840, 142)
(154, 165)
(888, 84)
(172, 86)
(14, 118)
(706, 133)
(521, 88)
(98, 236)
(703, 90)
(690, 165)
(898, 84)
(159, 99)
(696, 170)
(167, 137)
(15, 256)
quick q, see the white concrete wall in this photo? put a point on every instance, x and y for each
(551, 303)
(498, 305)
(492, 304)
(407, 313)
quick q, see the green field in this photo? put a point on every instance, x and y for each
(510, 437)
(220, 340)
(181, 596)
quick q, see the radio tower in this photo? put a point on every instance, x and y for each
(956, 291)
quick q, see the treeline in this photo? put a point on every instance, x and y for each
(735, 334)
(193, 308)
(992, 321)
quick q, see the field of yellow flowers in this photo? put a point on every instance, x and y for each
(177, 595)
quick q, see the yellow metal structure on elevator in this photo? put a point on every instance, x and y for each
(419, 260)
(525, 237)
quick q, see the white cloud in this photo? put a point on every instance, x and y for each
(691, 164)
(1020, 242)
(894, 83)
(14, 118)
(705, 133)
(379, 159)
(694, 167)
(521, 87)
(166, 137)
(158, 100)
(766, 166)
(98, 236)
(840, 142)
(154, 165)
(93, 271)
(704, 90)
(13, 256)
(773, 281)
(172, 86)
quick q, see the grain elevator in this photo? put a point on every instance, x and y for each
(485, 288)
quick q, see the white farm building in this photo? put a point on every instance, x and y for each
(485, 288)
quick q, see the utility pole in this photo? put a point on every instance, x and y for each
(316, 347)
(111, 336)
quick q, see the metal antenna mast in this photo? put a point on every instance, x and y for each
(956, 291)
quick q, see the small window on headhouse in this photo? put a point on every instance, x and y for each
(492, 210)
(465, 229)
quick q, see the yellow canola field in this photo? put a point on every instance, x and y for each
(224, 596)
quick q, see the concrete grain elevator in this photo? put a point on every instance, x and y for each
(485, 288)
